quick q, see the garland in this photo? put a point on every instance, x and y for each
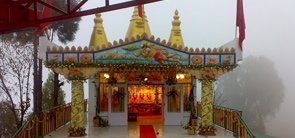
(172, 93)
(143, 80)
(135, 65)
(112, 80)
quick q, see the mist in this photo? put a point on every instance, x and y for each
(270, 33)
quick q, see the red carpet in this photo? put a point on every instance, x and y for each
(146, 131)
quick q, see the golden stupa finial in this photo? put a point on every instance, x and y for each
(175, 35)
(98, 37)
(138, 25)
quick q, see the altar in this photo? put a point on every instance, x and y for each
(145, 109)
(145, 100)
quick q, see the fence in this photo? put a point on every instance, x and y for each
(229, 119)
(47, 121)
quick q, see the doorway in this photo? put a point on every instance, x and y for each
(145, 104)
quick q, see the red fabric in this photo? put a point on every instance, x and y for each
(45, 13)
(147, 131)
(240, 22)
(140, 10)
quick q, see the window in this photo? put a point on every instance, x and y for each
(118, 94)
(103, 90)
(186, 93)
(173, 96)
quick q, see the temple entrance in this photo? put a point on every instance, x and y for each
(145, 104)
(133, 101)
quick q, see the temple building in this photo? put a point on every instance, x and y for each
(141, 76)
(143, 87)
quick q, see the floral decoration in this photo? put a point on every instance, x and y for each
(212, 60)
(86, 58)
(190, 129)
(70, 58)
(76, 75)
(227, 60)
(112, 80)
(101, 122)
(172, 93)
(171, 81)
(143, 80)
(197, 59)
(76, 131)
(207, 130)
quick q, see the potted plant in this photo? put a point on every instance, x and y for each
(191, 130)
(76, 131)
(207, 130)
(96, 121)
(194, 121)
(103, 122)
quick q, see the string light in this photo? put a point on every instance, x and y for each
(106, 75)
(179, 76)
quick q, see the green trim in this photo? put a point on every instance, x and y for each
(239, 113)
(243, 122)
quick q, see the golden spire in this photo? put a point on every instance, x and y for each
(98, 37)
(138, 25)
(175, 36)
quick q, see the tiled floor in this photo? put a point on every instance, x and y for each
(132, 131)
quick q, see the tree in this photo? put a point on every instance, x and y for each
(7, 123)
(16, 61)
(20, 98)
(47, 90)
(65, 31)
(16, 64)
(254, 88)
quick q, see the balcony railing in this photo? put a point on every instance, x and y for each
(229, 119)
(46, 122)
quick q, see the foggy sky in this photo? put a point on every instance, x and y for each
(270, 32)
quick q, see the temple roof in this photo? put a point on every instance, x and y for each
(137, 53)
(138, 38)
(98, 37)
(138, 50)
(138, 25)
(140, 47)
(175, 35)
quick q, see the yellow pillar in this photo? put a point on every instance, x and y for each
(77, 114)
(207, 125)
